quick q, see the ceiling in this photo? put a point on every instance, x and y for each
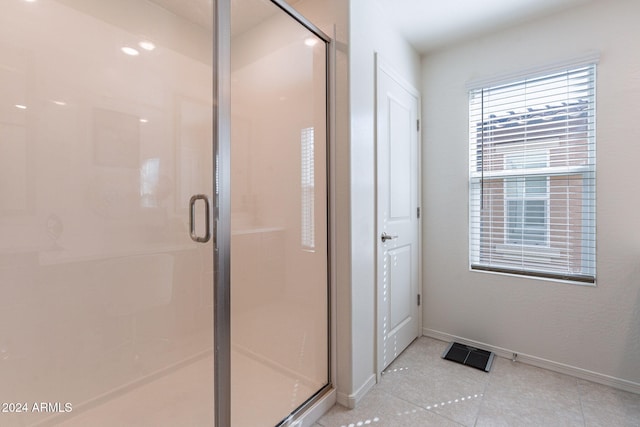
(197, 11)
(431, 24)
(244, 13)
(426, 24)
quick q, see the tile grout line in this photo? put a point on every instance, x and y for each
(579, 389)
(431, 408)
(484, 393)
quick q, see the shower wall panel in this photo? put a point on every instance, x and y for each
(105, 133)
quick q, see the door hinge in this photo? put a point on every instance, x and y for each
(418, 125)
(418, 300)
(418, 212)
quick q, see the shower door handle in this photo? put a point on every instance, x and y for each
(192, 219)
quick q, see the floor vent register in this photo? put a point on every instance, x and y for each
(469, 356)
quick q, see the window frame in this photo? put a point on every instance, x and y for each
(586, 260)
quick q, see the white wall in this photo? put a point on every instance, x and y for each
(595, 331)
(368, 33)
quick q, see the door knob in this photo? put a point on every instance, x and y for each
(386, 236)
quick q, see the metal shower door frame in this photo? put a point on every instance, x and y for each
(222, 208)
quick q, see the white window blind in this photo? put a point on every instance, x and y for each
(532, 176)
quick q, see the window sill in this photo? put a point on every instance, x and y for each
(549, 277)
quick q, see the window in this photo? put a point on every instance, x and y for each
(307, 181)
(532, 176)
(149, 181)
(526, 202)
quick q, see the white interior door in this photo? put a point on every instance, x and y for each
(398, 248)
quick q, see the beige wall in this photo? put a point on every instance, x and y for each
(584, 330)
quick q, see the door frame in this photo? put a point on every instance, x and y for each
(380, 66)
(221, 215)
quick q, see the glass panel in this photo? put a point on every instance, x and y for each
(536, 185)
(279, 310)
(106, 315)
(527, 222)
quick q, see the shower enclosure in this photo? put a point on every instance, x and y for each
(279, 250)
(146, 258)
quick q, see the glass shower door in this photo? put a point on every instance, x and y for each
(279, 280)
(106, 128)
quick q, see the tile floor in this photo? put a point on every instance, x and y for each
(421, 389)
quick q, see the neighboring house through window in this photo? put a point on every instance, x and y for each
(526, 201)
(532, 175)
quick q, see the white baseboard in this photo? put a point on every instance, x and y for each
(351, 400)
(561, 368)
